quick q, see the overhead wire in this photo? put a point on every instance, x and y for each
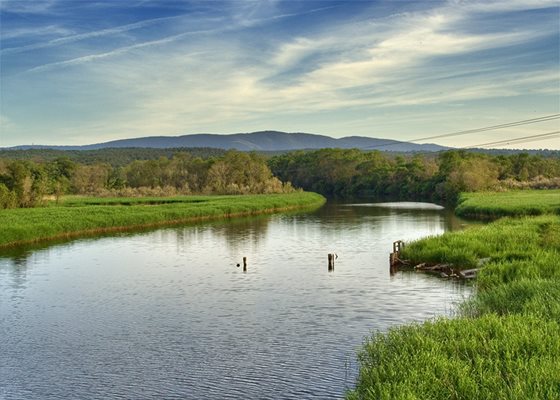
(535, 120)
(524, 139)
(494, 127)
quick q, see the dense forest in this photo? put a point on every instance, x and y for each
(116, 157)
(29, 178)
(437, 177)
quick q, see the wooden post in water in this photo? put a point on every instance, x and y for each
(394, 257)
(398, 246)
(331, 262)
(244, 263)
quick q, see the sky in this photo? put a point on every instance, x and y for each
(85, 71)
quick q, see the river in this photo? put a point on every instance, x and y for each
(167, 314)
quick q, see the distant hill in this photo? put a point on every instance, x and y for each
(258, 141)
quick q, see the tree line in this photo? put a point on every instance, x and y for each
(435, 177)
(116, 157)
(332, 172)
(26, 183)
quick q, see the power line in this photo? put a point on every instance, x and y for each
(476, 130)
(501, 126)
(531, 138)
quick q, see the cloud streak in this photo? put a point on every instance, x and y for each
(116, 52)
(28, 7)
(85, 36)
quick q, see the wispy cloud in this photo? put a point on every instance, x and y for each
(44, 31)
(119, 51)
(88, 35)
(408, 49)
(504, 5)
(28, 7)
(253, 20)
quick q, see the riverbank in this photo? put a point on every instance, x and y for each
(77, 216)
(506, 342)
(493, 205)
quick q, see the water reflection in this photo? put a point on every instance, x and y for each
(403, 205)
(167, 314)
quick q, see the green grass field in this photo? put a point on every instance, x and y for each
(492, 205)
(505, 344)
(76, 216)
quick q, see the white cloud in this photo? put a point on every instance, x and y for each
(293, 52)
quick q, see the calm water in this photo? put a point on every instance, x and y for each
(167, 314)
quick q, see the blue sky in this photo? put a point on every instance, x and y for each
(79, 72)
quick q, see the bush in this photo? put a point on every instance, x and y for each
(8, 198)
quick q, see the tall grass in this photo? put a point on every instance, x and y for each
(536, 297)
(492, 205)
(77, 216)
(509, 239)
(491, 357)
(506, 342)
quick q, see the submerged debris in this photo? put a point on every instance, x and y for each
(443, 270)
(447, 270)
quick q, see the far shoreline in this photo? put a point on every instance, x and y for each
(34, 225)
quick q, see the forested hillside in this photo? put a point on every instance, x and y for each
(255, 141)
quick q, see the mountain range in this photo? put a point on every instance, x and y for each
(258, 141)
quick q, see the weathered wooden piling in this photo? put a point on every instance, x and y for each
(244, 263)
(331, 261)
(393, 269)
(394, 257)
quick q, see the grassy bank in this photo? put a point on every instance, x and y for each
(506, 343)
(493, 205)
(76, 216)
(506, 240)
